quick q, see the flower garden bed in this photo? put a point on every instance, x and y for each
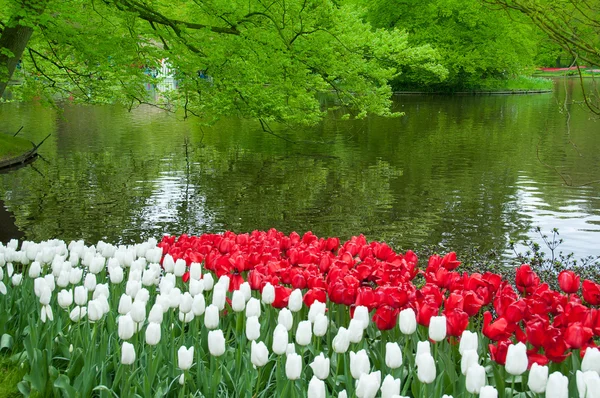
(267, 314)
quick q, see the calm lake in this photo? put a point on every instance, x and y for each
(459, 173)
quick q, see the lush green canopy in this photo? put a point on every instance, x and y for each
(266, 60)
(475, 42)
(572, 24)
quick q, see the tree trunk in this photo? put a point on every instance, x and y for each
(14, 38)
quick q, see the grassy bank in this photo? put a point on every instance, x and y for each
(10, 376)
(513, 84)
(11, 147)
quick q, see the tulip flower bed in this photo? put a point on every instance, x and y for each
(265, 314)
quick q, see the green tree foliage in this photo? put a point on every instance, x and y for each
(266, 60)
(474, 41)
(572, 24)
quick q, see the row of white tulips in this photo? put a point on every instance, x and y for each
(101, 295)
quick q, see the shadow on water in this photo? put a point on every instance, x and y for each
(8, 229)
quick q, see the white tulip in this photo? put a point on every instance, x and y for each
(126, 327)
(393, 355)
(362, 314)
(216, 342)
(245, 288)
(488, 392)
(407, 321)
(186, 317)
(538, 378)
(591, 360)
(390, 387)
(359, 364)
(280, 339)
(142, 295)
(468, 341)
(35, 269)
(81, 295)
(168, 263)
(426, 371)
(195, 271)
(475, 379)
(196, 287)
(101, 290)
(259, 354)
(153, 333)
(293, 366)
(252, 328)
(127, 353)
(219, 296)
(468, 359)
(285, 318)
(341, 341)
(138, 311)
(95, 310)
(304, 333)
(295, 300)
(315, 309)
(75, 275)
(516, 359)
(179, 268)
(224, 281)
(238, 303)
(116, 275)
(268, 294)
(321, 366)
(185, 357)
(125, 303)
(355, 330)
(198, 305)
(185, 305)
(253, 307)
(423, 347)
(211, 317)
(437, 328)
(78, 313)
(156, 314)
(65, 298)
(320, 325)
(209, 282)
(368, 385)
(90, 282)
(316, 388)
(558, 386)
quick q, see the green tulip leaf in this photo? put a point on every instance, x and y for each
(64, 385)
(24, 388)
(6, 342)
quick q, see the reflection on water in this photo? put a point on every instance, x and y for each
(457, 172)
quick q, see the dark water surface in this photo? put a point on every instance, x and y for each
(458, 172)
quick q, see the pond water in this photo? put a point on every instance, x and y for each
(459, 173)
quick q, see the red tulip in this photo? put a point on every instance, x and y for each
(535, 357)
(499, 350)
(456, 322)
(499, 330)
(536, 331)
(449, 261)
(526, 280)
(555, 345)
(568, 282)
(385, 317)
(313, 295)
(426, 309)
(576, 335)
(591, 292)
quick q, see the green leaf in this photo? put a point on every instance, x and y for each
(6, 341)
(64, 385)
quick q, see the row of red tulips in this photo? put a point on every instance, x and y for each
(373, 275)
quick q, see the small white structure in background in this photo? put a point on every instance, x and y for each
(166, 76)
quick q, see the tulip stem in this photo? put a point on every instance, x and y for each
(512, 386)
